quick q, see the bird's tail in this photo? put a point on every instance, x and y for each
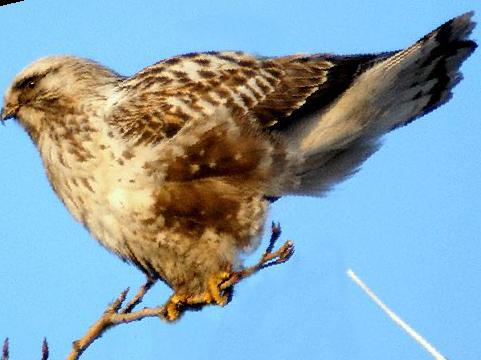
(393, 92)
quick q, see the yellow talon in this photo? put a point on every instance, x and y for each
(218, 295)
(219, 285)
(172, 310)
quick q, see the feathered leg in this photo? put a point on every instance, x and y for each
(220, 285)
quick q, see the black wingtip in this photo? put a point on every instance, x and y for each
(458, 28)
(445, 50)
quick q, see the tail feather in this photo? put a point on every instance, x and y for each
(392, 93)
(430, 67)
(322, 172)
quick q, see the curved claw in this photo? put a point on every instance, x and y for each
(215, 294)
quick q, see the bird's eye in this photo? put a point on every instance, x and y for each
(29, 82)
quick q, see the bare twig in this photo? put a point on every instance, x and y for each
(114, 315)
(269, 258)
(275, 234)
(44, 349)
(5, 352)
(138, 297)
(117, 313)
(411, 332)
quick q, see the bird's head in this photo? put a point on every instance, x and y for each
(52, 86)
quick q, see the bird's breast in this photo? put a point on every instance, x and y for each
(104, 191)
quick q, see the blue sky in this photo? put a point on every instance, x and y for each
(409, 223)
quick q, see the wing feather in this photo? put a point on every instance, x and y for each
(161, 98)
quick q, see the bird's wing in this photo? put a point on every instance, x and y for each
(396, 91)
(392, 93)
(163, 97)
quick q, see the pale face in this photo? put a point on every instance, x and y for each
(30, 85)
(49, 84)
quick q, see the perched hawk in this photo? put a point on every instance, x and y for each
(173, 168)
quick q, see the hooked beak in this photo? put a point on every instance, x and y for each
(7, 112)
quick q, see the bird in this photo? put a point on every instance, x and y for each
(174, 168)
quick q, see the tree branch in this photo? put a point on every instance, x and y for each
(114, 315)
(117, 313)
(45, 351)
(5, 352)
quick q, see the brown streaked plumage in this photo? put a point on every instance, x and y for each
(173, 168)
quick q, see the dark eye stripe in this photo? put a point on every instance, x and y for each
(24, 83)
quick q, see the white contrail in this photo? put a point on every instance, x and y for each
(422, 341)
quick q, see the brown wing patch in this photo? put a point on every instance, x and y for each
(219, 153)
(214, 171)
(193, 207)
(299, 77)
(148, 119)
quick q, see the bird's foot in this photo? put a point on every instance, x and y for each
(220, 296)
(219, 286)
(178, 303)
(173, 307)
